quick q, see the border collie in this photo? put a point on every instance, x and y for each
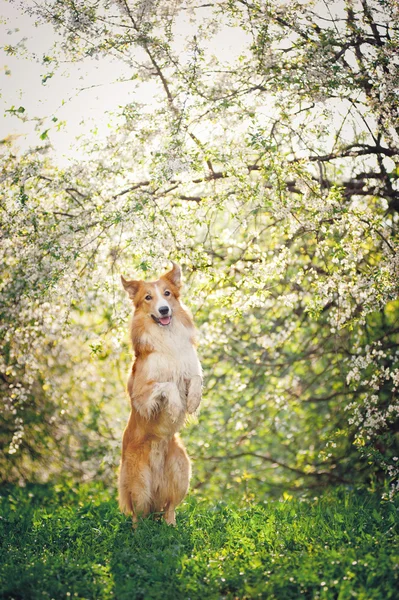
(165, 384)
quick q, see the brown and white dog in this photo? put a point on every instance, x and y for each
(164, 385)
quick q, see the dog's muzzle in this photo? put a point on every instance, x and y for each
(164, 321)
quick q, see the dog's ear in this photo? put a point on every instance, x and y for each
(132, 287)
(174, 276)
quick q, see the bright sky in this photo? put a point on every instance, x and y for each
(21, 85)
(82, 95)
(60, 96)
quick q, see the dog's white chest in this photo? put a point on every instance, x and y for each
(174, 357)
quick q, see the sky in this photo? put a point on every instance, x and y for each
(83, 95)
(21, 85)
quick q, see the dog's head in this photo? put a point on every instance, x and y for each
(156, 299)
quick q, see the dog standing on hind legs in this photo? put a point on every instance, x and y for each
(165, 384)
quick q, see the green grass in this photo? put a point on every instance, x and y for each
(73, 543)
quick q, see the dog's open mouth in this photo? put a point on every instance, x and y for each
(162, 320)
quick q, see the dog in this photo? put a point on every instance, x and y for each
(165, 384)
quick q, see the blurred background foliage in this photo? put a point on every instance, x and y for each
(271, 175)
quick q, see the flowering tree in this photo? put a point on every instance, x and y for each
(271, 177)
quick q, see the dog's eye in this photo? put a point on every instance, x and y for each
(167, 293)
(148, 297)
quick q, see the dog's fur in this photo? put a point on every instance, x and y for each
(164, 385)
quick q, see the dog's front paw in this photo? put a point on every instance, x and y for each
(175, 406)
(173, 401)
(194, 394)
(149, 408)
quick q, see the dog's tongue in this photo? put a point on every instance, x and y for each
(165, 320)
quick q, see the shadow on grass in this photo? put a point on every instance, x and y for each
(159, 561)
(147, 563)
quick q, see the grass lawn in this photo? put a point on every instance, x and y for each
(73, 543)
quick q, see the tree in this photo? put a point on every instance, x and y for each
(271, 176)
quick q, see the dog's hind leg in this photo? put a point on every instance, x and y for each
(140, 494)
(178, 472)
(135, 483)
(125, 500)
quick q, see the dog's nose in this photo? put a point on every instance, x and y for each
(164, 310)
